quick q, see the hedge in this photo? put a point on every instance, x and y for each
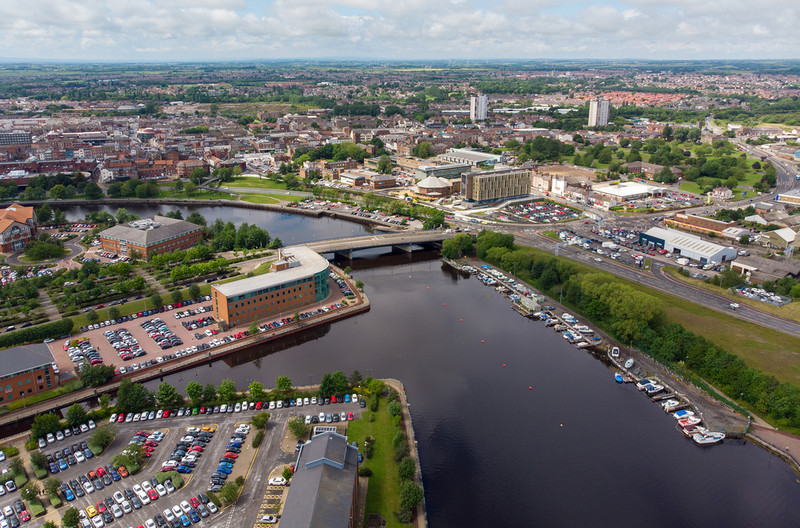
(257, 438)
(10, 451)
(213, 498)
(20, 480)
(174, 476)
(41, 474)
(37, 509)
(55, 501)
(35, 334)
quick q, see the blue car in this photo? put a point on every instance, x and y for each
(69, 495)
(360, 458)
(115, 476)
(184, 520)
(87, 453)
(347, 398)
(183, 469)
(53, 468)
(224, 469)
(62, 464)
(194, 516)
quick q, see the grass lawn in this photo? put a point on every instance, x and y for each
(259, 199)
(256, 183)
(197, 195)
(691, 187)
(383, 494)
(551, 234)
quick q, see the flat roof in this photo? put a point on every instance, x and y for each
(686, 241)
(311, 263)
(472, 155)
(22, 358)
(150, 231)
(624, 189)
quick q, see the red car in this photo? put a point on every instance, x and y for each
(101, 507)
(166, 413)
(259, 404)
(333, 399)
(202, 410)
(231, 455)
(199, 449)
(350, 415)
(121, 418)
(153, 494)
(101, 471)
(194, 502)
(25, 516)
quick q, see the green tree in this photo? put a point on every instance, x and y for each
(156, 301)
(104, 401)
(133, 397)
(52, 485)
(356, 378)
(385, 164)
(45, 423)
(394, 408)
(71, 518)
(177, 296)
(92, 191)
(256, 391)
(167, 395)
(92, 316)
(76, 415)
(16, 467)
(260, 420)
(283, 383)
(195, 392)
(113, 312)
(190, 188)
(667, 132)
(29, 491)
(194, 291)
(410, 495)
(227, 390)
(298, 427)
(229, 492)
(95, 375)
(209, 393)
(423, 150)
(744, 239)
(49, 524)
(407, 468)
(44, 214)
(57, 192)
(103, 436)
(38, 460)
(197, 175)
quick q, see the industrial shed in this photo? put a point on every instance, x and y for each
(688, 246)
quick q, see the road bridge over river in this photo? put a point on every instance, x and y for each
(402, 241)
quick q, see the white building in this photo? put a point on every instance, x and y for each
(478, 107)
(598, 112)
(688, 246)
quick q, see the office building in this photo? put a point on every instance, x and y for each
(478, 107)
(298, 278)
(449, 171)
(151, 236)
(493, 185)
(598, 112)
(26, 370)
(17, 227)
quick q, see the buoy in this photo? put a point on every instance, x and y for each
(504, 364)
(445, 304)
(481, 340)
(562, 425)
(530, 388)
(460, 320)
(429, 287)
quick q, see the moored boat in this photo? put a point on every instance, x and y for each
(690, 430)
(615, 352)
(629, 363)
(653, 389)
(644, 382)
(618, 377)
(691, 420)
(670, 404)
(683, 413)
(708, 438)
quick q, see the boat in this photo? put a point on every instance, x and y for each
(653, 389)
(644, 382)
(629, 363)
(690, 430)
(670, 405)
(615, 352)
(583, 344)
(692, 420)
(708, 438)
(683, 413)
(618, 377)
(560, 327)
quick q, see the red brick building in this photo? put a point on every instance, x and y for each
(17, 227)
(26, 370)
(151, 236)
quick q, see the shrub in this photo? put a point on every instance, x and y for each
(364, 471)
(10, 451)
(258, 438)
(373, 403)
(369, 444)
(287, 473)
(213, 498)
(55, 501)
(240, 481)
(404, 516)
(401, 451)
(394, 408)
(37, 509)
(398, 438)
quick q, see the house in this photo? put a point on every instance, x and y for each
(722, 193)
(17, 227)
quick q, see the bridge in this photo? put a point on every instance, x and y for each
(402, 241)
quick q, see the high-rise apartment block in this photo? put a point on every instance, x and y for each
(598, 112)
(478, 107)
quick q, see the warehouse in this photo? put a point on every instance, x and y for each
(688, 246)
(298, 278)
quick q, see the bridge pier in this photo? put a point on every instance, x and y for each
(346, 254)
(402, 248)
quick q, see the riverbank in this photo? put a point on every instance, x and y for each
(356, 306)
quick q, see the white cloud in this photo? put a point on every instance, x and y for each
(407, 29)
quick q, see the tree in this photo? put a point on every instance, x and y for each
(744, 239)
(103, 436)
(385, 164)
(113, 312)
(45, 423)
(256, 391)
(50, 524)
(197, 175)
(38, 460)
(395, 408)
(190, 188)
(156, 300)
(298, 427)
(260, 420)
(93, 191)
(356, 378)
(407, 468)
(133, 397)
(167, 395)
(194, 291)
(76, 415)
(410, 495)
(667, 132)
(423, 150)
(44, 214)
(177, 296)
(229, 492)
(195, 392)
(59, 217)
(16, 467)
(104, 401)
(71, 518)
(52, 485)
(283, 383)
(95, 375)
(227, 390)
(209, 393)
(92, 316)
(29, 491)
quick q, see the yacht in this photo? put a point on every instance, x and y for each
(708, 438)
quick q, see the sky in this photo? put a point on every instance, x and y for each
(219, 30)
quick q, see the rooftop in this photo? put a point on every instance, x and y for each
(624, 189)
(686, 241)
(308, 263)
(21, 358)
(150, 231)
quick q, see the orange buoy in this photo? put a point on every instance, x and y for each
(429, 287)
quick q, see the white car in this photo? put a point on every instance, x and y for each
(237, 408)
(59, 436)
(116, 511)
(212, 507)
(268, 519)
(308, 419)
(87, 486)
(192, 430)
(223, 408)
(321, 417)
(159, 414)
(80, 457)
(168, 515)
(277, 481)
(313, 400)
(272, 405)
(185, 506)
(177, 510)
(85, 428)
(161, 490)
(42, 443)
(150, 523)
(306, 401)
(118, 497)
(146, 486)
(137, 489)
(354, 398)
(299, 402)
(97, 521)
(126, 507)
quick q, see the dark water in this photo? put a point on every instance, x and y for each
(291, 229)
(576, 450)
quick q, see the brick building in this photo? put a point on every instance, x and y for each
(487, 186)
(17, 227)
(151, 236)
(26, 370)
(298, 278)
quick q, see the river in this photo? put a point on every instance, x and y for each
(574, 449)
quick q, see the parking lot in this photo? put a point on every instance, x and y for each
(255, 465)
(536, 212)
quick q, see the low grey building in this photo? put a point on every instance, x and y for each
(324, 488)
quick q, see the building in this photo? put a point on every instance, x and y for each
(698, 224)
(492, 185)
(151, 236)
(434, 187)
(469, 157)
(376, 181)
(17, 227)
(598, 112)
(298, 278)
(780, 238)
(625, 191)
(354, 178)
(26, 370)
(324, 490)
(688, 246)
(791, 197)
(478, 107)
(722, 193)
(449, 171)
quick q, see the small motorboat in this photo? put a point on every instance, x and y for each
(692, 420)
(670, 404)
(690, 430)
(615, 352)
(683, 413)
(644, 382)
(618, 377)
(653, 389)
(708, 438)
(629, 363)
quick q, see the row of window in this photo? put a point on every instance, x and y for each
(281, 293)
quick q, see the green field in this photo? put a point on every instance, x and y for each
(383, 494)
(691, 187)
(197, 195)
(256, 183)
(260, 199)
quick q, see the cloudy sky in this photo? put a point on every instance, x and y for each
(187, 30)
